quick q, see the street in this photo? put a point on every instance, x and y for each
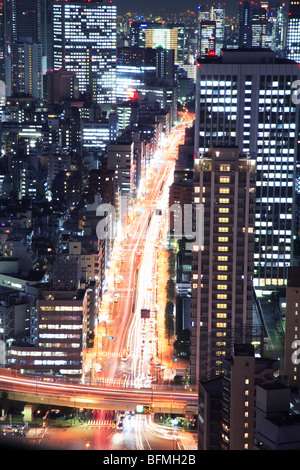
(138, 433)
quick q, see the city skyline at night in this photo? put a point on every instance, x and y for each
(149, 227)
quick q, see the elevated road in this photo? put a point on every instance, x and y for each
(160, 400)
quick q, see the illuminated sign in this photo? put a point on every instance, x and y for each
(142, 409)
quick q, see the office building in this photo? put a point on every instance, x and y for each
(259, 26)
(153, 35)
(57, 320)
(61, 85)
(85, 41)
(24, 74)
(96, 135)
(222, 269)
(120, 158)
(23, 24)
(2, 42)
(252, 24)
(293, 32)
(279, 30)
(292, 337)
(245, 99)
(207, 39)
(217, 14)
(245, 36)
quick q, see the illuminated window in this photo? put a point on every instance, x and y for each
(224, 167)
(222, 248)
(224, 210)
(221, 305)
(224, 190)
(222, 278)
(222, 258)
(222, 296)
(222, 287)
(224, 200)
(222, 268)
(221, 325)
(221, 315)
(223, 229)
(223, 239)
(224, 179)
(223, 220)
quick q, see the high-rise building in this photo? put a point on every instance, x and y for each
(2, 42)
(162, 37)
(246, 100)
(292, 337)
(245, 32)
(61, 84)
(293, 32)
(85, 41)
(279, 30)
(211, 29)
(218, 15)
(227, 411)
(23, 20)
(134, 65)
(23, 36)
(207, 38)
(252, 24)
(222, 269)
(24, 74)
(259, 26)
(168, 36)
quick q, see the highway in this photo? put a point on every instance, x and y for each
(126, 346)
(120, 370)
(160, 400)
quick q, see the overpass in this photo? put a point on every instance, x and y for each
(52, 392)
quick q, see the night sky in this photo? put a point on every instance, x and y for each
(146, 6)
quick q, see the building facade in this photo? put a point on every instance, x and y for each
(292, 337)
(85, 41)
(245, 99)
(293, 32)
(222, 269)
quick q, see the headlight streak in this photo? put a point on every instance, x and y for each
(125, 393)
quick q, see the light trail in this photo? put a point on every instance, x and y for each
(144, 235)
(146, 228)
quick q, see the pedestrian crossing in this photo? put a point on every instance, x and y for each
(101, 422)
(110, 354)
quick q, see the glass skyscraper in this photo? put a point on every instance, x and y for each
(293, 32)
(85, 41)
(245, 100)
